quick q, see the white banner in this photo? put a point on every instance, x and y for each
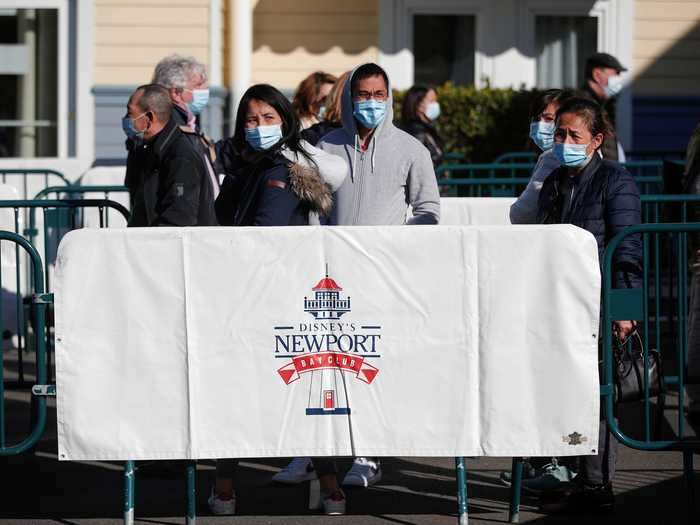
(474, 211)
(320, 341)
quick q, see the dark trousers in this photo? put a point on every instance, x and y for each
(599, 469)
(228, 468)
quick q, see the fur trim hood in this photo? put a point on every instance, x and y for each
(308, 185)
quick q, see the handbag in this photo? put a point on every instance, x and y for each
(628, 370)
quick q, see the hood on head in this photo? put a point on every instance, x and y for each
(348, 120)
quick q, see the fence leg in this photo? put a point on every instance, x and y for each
(516, 480)
(129, 492)
(689, 484)
(191, 492)
(462, 509)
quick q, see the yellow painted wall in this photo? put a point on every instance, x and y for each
(131, 36)
(292, 38)
(667, 47)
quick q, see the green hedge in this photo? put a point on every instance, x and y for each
(481, 123)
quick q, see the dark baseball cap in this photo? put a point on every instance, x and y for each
(604, 60)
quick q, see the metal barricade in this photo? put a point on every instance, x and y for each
(116, 193)
(37, 301)
(57, 191)
(516, 156)
(509, 180)
(44, 232)
(669, 208)
(649, 175)
(29, 181)
(662, 307)
(484, 180)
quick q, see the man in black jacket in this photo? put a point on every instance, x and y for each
(185, 78)
(602, 83)
(167, 178)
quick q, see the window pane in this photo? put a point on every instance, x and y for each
(563, 45)
(443, 49)
(28, 82)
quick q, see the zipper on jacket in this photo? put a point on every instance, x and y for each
(360, 188)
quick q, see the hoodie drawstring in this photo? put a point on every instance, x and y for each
(354, 158)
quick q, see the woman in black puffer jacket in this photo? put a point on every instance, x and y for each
(587, 191)
(420, 109)
(602, 197)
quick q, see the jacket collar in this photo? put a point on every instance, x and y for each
(164, 138)
(589, 170)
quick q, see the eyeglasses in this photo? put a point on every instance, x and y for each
(134, 119)
(367, 95)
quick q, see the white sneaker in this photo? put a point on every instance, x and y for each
(333, 504)
(221, 507)
(364, 473)
(298, 471)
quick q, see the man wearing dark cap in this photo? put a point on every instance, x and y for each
(602, 82)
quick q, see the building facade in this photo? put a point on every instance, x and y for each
(67, 66)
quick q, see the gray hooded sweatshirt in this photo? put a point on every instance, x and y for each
(394, 172)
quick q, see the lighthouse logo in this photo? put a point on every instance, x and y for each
(328, 349)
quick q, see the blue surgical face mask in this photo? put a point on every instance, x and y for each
(542, 134)
(571, 155)
(614, 86)
(200, 99)
(432, 110)
(129, 130)
(263, 137)
(370, 112)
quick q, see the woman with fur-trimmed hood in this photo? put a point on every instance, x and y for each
(273, 177)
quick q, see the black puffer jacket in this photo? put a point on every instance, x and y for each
(605, 201)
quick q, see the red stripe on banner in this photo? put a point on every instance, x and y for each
(327, 360)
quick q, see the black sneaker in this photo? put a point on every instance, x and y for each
(529, 472)
(597, 499)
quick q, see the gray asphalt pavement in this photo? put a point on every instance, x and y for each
(36, 488)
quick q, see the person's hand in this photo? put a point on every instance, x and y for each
(623, 329)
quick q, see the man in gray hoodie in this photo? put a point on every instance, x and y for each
(389, 169)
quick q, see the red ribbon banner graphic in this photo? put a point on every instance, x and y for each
(328, 360)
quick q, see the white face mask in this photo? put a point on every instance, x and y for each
(614, 86)
(432, 110)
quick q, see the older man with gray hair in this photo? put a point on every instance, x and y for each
(186, 80)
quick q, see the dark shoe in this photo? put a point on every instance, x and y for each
(580, 500)
(693, 415)
(529, 472)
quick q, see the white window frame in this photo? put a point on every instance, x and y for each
(505, 54)
(84, 113)
(396, 35)
(615, 34)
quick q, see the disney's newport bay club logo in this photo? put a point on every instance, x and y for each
(327, 348)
